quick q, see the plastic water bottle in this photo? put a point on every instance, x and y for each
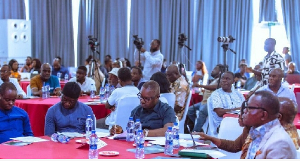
(66, 77)
(102, 94)
(107, 91)
(111, 89)
(130, 130)
(140, 140)
(48, 90)
(177, 120)
(88, 126)
(93, 91)
(238, 85)
(54, 137)
(58, 75)
(137, 127)
(93, 151)
(169, 141)
(60, 138)
(175, 131)
(44, 92)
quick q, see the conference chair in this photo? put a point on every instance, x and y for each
(123, 111)
(212, 126)
(28, 91)
(230, 130)
(170, 98)
(181, 122)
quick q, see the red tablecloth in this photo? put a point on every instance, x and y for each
(53, 150)
(25, 83)
(37, 109)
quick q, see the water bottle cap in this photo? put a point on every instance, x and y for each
(169, 128)
(137, 120)
(140, 130)
(93, 131)
(176, 124)
(89, 116)
(130, 118)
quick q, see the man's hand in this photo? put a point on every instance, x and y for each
(20, 96)
(202, 135)
(249, 70)
(115, 129)
(143, 50)
(57, 92)
(113, 108)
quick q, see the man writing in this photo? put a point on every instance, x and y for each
(154, 115)
(152, 60)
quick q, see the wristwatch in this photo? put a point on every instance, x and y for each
(146, 132)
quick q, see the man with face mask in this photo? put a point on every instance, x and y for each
(152, 61)
(69, 115)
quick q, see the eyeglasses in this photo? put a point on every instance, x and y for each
(66, 99)
(252, 107)
(146, 99)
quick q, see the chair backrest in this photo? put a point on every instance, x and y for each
(230, 130)
(28, 91)
(181, 122)
(212, 129)
(170, 98)
(298, 100)
(125, 106)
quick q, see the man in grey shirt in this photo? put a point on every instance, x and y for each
(69, 115)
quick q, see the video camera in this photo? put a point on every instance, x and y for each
(138, 42)
(226, 40)
(93, 42)
(181, 39)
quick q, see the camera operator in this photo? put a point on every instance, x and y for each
(152, 61)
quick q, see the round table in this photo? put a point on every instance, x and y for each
(38, 107)
(25, 83)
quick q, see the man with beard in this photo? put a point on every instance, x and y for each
(83, 81)
(202, 106)
(137, 77)
(69, 115)
(152, 61)
(58, 68)
(27, 67)
(44, 78)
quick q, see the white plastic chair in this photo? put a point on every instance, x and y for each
(212, 128)
(123, 111)
(28, 91)
(230, 130)
(181, 122)
(170, 98)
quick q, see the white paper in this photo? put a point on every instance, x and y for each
(102, 134)
(31, 139)
(72, 134)
(212, 153)
(188, 143)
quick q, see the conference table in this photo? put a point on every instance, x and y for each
(38, 107)
(26, 82)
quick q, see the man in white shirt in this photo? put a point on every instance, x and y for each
(127, 89)
(5, 73)
(84, 82)
(152, 61)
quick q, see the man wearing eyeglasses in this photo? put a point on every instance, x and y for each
(267, 137)
(14, 121)
(154, 115)
(45, 77)
(69, 115)
(5, 73)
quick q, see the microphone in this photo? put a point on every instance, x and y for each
(227, 40)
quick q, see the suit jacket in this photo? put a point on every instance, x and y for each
(276, 144)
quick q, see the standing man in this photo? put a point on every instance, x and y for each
(287, 56)
(14, 121)
(152, 61)
(271, 61)
(267, 138)
(180, 87)
(83, 81)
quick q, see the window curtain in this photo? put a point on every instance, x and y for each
(105, 20)
(52, 30)
(163, 20)
(291, 19)
(222, 18)
(12, 9)
(267, 11)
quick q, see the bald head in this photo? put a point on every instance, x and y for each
(277, 71)
(288, 110)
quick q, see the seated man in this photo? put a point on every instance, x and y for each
(5, 73)
(44, 78)
(180, 88)
(83, 81)
(241, 75)
(154, 115)
(224, 99)
(275, 85)
(58, 68)
(292, 69)
(137, 77)
(202, 106)
(127, 89)
(14, 121)
(253, 81)
(113, 78)
(69, 115)
(267, 139)
(27, 67)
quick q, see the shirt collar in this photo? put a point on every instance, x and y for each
(259, 132)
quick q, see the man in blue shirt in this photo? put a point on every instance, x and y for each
(14, 121)
(58, 68)
(69, 115)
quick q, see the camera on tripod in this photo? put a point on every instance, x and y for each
(93, 42)
(138, 42)
(226, 40)
(181, 39)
